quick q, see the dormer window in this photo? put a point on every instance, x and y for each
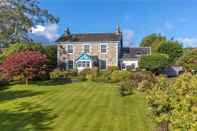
(70, 49)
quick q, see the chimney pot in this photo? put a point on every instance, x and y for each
(118, 31)
(67, 31)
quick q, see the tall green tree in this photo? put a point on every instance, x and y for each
(153, 41)
(189, 59)
(155, 62)
(20, 47)
(18, 16)
(172, 48)
(51, 52)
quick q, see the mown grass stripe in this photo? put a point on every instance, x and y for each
(18, 126)
(26, 119)
(35, 99)
(79, 107)
(85, 121)
(99, 114)
(50, 100)
(70, 105)
(82, 106)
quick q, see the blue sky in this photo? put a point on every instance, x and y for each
(137, 18)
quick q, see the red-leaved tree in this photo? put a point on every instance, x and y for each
(28, 65)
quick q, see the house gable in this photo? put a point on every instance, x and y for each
(84, 57)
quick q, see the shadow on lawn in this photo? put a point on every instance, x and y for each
(12, 95)
(27, 116)
(52, 82)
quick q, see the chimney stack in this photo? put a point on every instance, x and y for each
(118, 31)
(67, 32)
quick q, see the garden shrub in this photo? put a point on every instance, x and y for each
(125, 87)
(2, 81)
(83, 74)
(176, 103)
(144, 85)
(104, 76)
(118, 75)
(92, 74)
(72, 73)
(138, 77)
(18, 78)
(130, 68)
(112, 68)
(58, 74)
(88, 74)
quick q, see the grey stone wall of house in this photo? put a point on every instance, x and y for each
(111, 57)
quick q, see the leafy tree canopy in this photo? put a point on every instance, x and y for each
(189, 59)
(20, 47)
(154, 62)
(28, 65)
(153, 41)
(18, 16)
(173, 48)
(49, 50)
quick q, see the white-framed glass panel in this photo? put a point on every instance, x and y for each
(70, 48)
(87, 64)
(133, 65)
(103, 48)
(79, 64)
(83, 64)
(70, 64)
(103, 64)
(123, 66)
(86, 48)
(65, 63)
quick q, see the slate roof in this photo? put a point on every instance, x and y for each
(91, 37)
(130, 53)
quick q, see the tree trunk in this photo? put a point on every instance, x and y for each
(26, 82)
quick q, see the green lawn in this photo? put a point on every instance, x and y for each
(82, 106)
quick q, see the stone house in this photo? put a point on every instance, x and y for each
(89, 50)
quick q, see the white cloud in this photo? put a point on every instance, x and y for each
(48, 31)
(127, 37)
(188, 42)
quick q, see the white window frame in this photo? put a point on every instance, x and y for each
(106, 62)
(106, 48)
(68, 64)
(72, 48)
(84, 48)
(85, 64)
